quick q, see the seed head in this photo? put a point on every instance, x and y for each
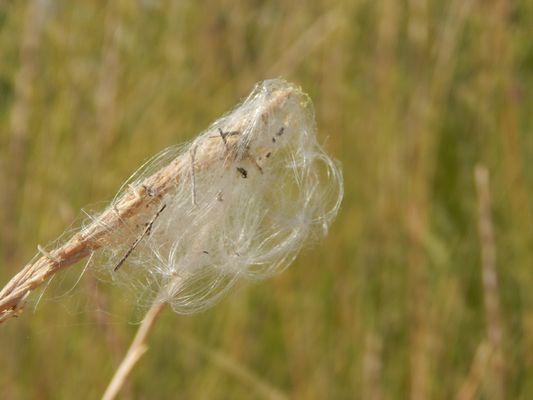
(246, 195)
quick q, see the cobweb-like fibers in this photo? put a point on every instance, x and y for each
(252, 190)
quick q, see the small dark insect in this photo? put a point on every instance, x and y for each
(146, 231)
(205, 252)
(243, 172)
(273, 140)
(268, 154)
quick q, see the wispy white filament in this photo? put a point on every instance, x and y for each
(254, 187)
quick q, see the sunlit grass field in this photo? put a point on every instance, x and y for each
(409, 95)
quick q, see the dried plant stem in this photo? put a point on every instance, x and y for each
(372, 366)
(136, 350)
(490, 280)
(139, 347)
(144, 198)
(476, 374)
(427, 98)
(105, 98)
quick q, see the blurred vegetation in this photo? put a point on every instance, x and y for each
(410, 96)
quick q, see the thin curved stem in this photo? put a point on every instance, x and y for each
(136, 350)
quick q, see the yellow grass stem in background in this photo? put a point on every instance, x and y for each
(491, 296)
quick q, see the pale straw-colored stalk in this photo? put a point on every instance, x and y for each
(489, 275)
(136, 350)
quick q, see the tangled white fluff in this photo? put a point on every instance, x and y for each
(252, 189)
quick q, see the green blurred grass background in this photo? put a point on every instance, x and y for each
(410, 96)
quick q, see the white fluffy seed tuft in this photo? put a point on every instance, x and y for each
(250, 191)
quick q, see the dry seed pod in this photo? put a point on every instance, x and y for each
(239, 201)
(250, 191)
